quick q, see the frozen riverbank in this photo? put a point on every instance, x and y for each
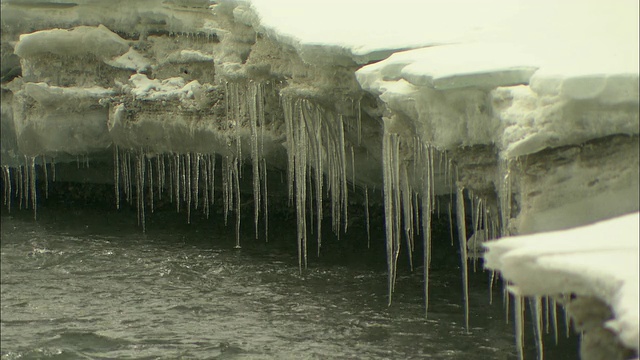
(501, 115)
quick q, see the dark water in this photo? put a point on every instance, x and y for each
(89, 284)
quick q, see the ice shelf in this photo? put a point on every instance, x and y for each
(598, 260)
(526, 112)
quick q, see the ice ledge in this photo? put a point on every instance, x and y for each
(599, 260)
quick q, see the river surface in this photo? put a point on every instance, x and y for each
(91, 285)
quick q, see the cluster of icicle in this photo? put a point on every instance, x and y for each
(189, 179)
(408, 204)
(24, 184)
(316, 144)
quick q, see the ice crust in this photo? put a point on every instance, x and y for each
(599, 260)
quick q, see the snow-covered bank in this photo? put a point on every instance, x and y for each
(599, 260)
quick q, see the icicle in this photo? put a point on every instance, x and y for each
(46, 177)
(366, 214)
(416, 211)
(116, 175)
(171, 175)
(505, 196)
(291, 150)
(225, 187)
(554, 318)
(390, 159)
(32, 180)
(129, 178)
(407, 213)
(319, 177)
(187, 184)
(567, 322)
(395, 149)
(265, 200)
(519, 324)
(547, 312)
(359, 121)
(184, 175)
(310, 197)
(505, 298)
(353, 170)
(427, 196)
(236, 176)
(476, 230)
(149, 165)
(345, 190)
(205, 175)
(159, 175)
(535, 304)
(462, 238)
(491, 281)
(19, 186)
(124, 169)
(213, 178)
(27, 184)
(176, 168)
(53, 169)
(450, 212)
(300, 187)
(140, 169)
(254, 106)
(7, 186)
(196, 179)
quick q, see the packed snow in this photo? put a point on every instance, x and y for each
(599, 260)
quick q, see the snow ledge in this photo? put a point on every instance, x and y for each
(598, 260)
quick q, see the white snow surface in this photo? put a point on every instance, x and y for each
(599, 260)
(562, 52)
(365, 30)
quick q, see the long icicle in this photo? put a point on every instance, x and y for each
(265, 200)
(46, 177)
(462, 238)
(536, 311)
(554, 317)
(32, 183)
(116, 175)
(519, 324)
(388, 209)
(426, 227)
(366, 214)
(236, 178)
(7, 186)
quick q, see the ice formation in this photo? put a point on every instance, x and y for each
(579, 261)
(530, 124)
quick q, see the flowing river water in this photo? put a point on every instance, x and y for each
(88, 284)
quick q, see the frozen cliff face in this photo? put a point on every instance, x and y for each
(501, 114)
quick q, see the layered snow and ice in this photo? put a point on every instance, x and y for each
(598, 260)
(526, 112)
